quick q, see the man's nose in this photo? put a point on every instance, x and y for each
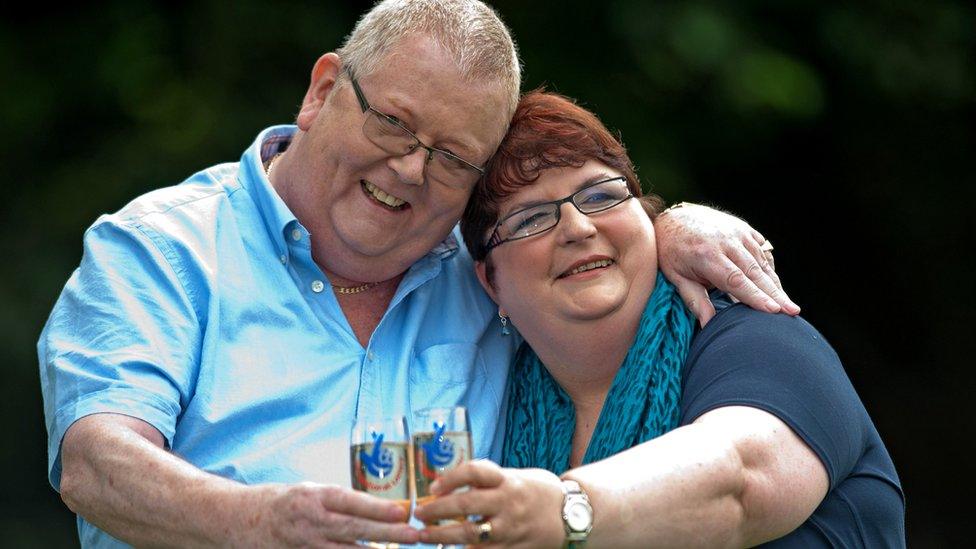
(411, 166)
(574, 225)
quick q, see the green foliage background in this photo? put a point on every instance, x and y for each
(844, 132)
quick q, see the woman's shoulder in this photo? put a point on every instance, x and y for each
(738, 327)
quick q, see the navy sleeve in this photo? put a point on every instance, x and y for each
(782, 365)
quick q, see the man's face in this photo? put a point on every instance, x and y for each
(373, 214)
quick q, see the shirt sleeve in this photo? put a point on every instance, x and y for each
(123, 337)
(782, 365)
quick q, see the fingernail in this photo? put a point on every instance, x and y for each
(435, 487)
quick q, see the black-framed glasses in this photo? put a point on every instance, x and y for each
(389, 134)
(593, 198)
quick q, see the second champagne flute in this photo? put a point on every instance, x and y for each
(441, 442)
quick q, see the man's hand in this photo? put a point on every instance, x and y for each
(118, 475)
(523, 506)
(316, 515)
(699, 247)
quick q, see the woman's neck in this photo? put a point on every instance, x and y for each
(584, 359)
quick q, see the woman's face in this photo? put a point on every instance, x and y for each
(584, 268)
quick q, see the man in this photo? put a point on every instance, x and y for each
(204, 364)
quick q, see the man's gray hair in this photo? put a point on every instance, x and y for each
(468, 30)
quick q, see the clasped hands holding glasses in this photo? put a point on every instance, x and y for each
(432, 463)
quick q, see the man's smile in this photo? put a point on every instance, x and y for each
(381, 196)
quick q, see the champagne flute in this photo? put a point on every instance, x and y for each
(441, 442)
(380, 456)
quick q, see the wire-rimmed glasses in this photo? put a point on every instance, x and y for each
(596, 197)
(389, 134)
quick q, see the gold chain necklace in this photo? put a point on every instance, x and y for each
(347, 290)
(354, 289)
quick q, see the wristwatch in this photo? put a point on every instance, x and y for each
(577, 514)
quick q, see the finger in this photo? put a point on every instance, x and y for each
(729, 277)
(458, 533)
(360, 504)
(349, 529)
(695, 297)
(768, 264)
(762, 251)
(766, 259)
(770, 267)
(479, 473)
(481, 502)
(753, 262)
(757, 236)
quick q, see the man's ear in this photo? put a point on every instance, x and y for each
(324, 75)
(479, 269)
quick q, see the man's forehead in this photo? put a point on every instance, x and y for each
(471, 114)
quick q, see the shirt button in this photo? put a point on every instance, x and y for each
(371, 356)
(283, 259)
(318, 286)
(296, 234)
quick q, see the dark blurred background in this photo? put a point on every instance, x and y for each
(843, 132)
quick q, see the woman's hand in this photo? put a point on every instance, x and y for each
(524, 507)
(701, 247)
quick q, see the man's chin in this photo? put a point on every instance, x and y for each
(386, 255)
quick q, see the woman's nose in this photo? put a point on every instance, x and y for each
(574, 225)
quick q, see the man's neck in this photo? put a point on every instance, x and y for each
(364, 310)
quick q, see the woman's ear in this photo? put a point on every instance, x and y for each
(479, 269)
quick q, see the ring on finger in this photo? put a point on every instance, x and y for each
(484, 531)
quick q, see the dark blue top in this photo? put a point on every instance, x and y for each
(782, 365)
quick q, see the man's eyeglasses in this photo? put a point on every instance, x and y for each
(533, 220)
(387, 133)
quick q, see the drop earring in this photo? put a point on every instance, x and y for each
(504, 319)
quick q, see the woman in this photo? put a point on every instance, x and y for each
(745, 432)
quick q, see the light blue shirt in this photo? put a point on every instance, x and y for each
(198, 309)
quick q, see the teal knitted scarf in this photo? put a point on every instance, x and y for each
(642, 403)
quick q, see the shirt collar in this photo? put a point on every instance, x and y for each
(447, 248)
(275, 213)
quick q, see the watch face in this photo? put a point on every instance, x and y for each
(578, 516)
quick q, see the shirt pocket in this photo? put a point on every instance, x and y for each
(445, 374)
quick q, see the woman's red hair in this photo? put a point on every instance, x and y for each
(547, 131)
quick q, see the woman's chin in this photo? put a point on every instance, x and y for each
(595, 302)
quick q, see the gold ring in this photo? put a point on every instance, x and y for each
(484, 531)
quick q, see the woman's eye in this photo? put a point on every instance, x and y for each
(598, 198)
(530, 221)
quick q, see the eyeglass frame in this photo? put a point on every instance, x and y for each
(495, 240)
(365, 106)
